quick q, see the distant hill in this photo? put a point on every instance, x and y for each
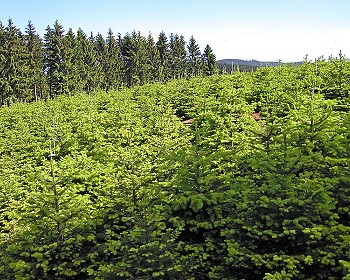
(227, 65)
(247, 62)
(253, 62)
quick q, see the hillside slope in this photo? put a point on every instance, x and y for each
(116, 186)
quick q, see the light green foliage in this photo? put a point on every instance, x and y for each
(134, 193)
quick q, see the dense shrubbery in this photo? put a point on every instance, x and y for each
(134, 193)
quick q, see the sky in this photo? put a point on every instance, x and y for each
(264, 30)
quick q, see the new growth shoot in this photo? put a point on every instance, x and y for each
(53, 143)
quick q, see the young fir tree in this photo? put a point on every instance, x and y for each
(35, 61)
(336, 76)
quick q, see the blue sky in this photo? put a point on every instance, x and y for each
(247, 29)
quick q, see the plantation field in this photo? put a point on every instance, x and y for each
(120, 185)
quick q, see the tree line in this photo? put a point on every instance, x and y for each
(33, 68)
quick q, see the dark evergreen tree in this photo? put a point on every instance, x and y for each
(194, 58)
(90, 63)
(134, 52)
(210, 66)
(177, 56)
(141, 62)
(101, 61)
(54, 59)
(15, 70)
(35, 61)
(163, 49)
(79, 55)
(153, 58)
(72, 81)
(114, 66)
(2, 62)
(128, 54)
(85, 56)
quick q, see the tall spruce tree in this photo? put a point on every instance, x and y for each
(134, 52)
(70, 69)
(15, 70)
(101, 61)
(142, 64)
(194, 58)
(34, 46)
(153, 58)
(85, 56)
(210, 66)
(54, 59)
(177, 56)
(114, 67)
(79, 55)
(163, 49)
(2, 62)
(90, 63)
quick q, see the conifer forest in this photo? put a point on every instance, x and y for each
(129, 157)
